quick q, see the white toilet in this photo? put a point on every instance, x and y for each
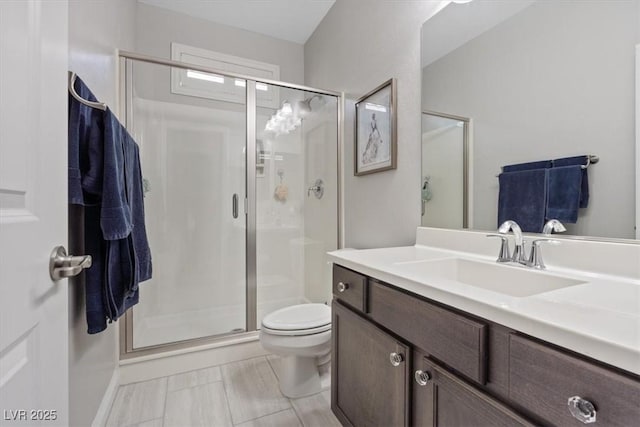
(301, 335)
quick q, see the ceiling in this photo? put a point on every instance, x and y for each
(292, 20)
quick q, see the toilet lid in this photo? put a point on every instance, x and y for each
(314, 317)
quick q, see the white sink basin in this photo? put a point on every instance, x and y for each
(509, 280)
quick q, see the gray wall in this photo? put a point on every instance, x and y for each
(156, 28)
(357, 46)
(555, 80)
(96, 29)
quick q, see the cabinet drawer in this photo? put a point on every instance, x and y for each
(349, 287)
(542, 380)
(455, 340)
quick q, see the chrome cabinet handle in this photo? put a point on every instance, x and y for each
(341, 286)
(396, 358)
(62, 266)
(422, 377)
(582, 410)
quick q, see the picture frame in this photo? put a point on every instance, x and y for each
(376, 146)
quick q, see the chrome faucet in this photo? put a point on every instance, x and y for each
(535, 257)
(553, 225)
(518, 251)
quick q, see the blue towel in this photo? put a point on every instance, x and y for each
(523, 198)
(543, 164)
(105, 177)
(94, 276)
(85, 132)
(584, 185)
(128, 258)
(564, 193)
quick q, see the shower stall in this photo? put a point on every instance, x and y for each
(242, 198)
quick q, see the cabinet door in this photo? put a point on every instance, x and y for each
(369, 387)
(442, 399)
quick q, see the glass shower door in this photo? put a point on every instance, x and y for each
(193, 160)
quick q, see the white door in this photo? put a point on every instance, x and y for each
(638, 142)
(33, 212)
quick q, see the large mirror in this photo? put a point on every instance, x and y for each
(530, 81)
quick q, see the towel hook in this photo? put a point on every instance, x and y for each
(72, 90)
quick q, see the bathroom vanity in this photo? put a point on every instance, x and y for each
(431, 336)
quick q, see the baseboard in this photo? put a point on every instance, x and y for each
(100, 419)
(170, 363)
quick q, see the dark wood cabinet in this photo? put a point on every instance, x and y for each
(458, 370)
(368, 389)
(543, 380)
(444, 334)
(441, 399)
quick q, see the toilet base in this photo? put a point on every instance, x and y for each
(299, 376)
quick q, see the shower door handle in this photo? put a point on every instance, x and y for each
(234, 205)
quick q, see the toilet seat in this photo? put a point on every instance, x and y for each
(297, 320)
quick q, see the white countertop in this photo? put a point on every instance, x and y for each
(599, 318)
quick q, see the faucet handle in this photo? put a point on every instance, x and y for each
(535, 257)
(504, 255)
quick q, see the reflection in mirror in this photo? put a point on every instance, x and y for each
(540, 81)
(444, 188)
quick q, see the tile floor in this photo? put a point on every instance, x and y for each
(241, 393)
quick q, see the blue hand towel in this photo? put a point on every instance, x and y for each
(131, 196)
(85, 163)
(584, 185)
(128, 258)
(94, 276)
(543, 164)
(523, 198)
(564, 193)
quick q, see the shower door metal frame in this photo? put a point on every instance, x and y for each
(466, 148)
(127, 350)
